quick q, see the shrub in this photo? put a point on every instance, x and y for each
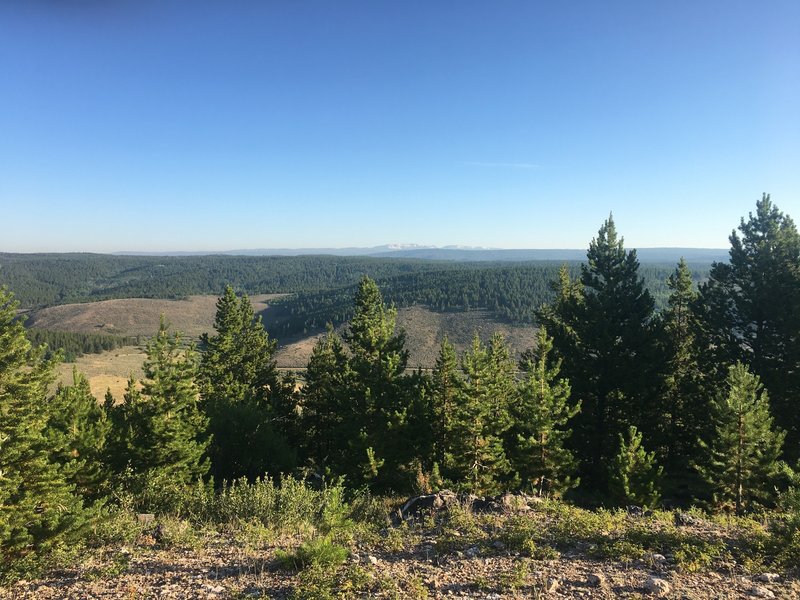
(319, 552)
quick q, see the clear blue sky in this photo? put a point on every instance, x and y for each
(160, 125)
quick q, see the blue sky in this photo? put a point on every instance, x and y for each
(163, 125)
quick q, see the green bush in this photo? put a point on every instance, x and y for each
(319, 552)
(784, 531)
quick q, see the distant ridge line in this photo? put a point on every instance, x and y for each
(451, 253)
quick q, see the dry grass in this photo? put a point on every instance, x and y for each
(424, 328)
(109, 370)
(136, 316)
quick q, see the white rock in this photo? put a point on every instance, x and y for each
(372, 559)
(657, 586)
(760, 592)
(768, 577)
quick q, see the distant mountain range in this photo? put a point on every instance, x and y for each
(467, 253)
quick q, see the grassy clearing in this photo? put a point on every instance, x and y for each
(195, 316)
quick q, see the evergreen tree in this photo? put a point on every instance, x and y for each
(39, 510)
(326, 412)
(380, 393)
(482, 418)
(446, 385)
(603, 334)
(635, 477)
(539, 434)
(76, 433)
(684, 405)
(751, 312)
(742, 456)
(248, 404)
(160, 429)
(125, 419)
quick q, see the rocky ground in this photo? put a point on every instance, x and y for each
(437, 549)
(224, 570)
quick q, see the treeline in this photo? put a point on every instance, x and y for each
(47, 279)
(71, 345)
(616, 405)
(512, 292)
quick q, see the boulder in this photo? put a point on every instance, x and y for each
(657, 586)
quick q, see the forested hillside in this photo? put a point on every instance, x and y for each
(322, 287)
(511, 292)
(48, 279)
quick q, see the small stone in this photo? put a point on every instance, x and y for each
(657, 586)
(372, 560)
(145, 518)
(596, 580)
(683, 519)
(657, 558)
(759, 591)
(551, 587)
(768, 577)
(472, 552)
(498, 545)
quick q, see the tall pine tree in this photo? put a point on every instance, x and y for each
(39, 510)
(482, 417)
(603, 334)
(326, 421)
(742, 455)
(446, 385)
(380, 393)
(76, 433)
(539, 433)
(684, 401)
(751, 312)
(248, 404)
(159, 430)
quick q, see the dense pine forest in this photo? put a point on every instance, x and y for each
(619, 404)
(73, 345)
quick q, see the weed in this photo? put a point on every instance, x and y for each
(252, 534)
(117, 566)
(319, 552)
(175, 532)
(415, 588)
(516, 577)
(397, 538)
(522, 534)
(620, 549)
